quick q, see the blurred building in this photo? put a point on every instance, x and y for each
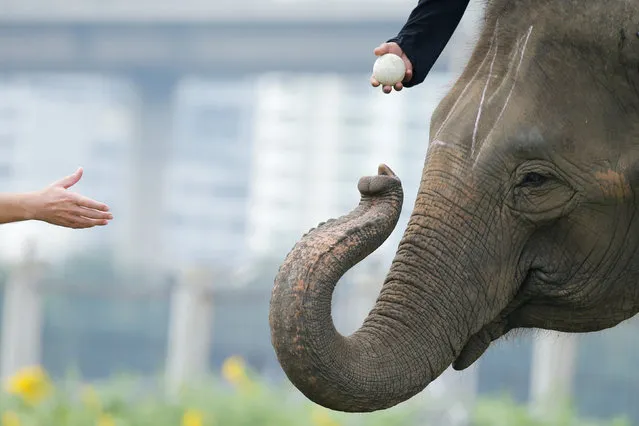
(316, 135)
(206, 187)
(187, 174)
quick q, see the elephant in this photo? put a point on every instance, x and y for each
(526, 214)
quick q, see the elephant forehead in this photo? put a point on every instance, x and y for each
(594, 26)
(483, 99)
(528, 90)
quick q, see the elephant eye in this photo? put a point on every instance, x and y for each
(533, 180)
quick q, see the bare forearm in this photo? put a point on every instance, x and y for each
(16, 207)
(55, 205)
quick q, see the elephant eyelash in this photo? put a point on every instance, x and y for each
(533, 180)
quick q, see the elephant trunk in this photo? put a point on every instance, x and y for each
(422, 318)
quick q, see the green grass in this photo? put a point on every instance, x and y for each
(127, 401)
(505, 412)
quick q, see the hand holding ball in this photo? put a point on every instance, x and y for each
(389, 69)
(392, 69)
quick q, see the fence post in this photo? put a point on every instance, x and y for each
(190, 328)
(359, 301)
(21, 343)
(552, 371)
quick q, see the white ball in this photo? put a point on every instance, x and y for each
(389, 69)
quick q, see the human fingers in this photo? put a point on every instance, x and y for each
(374, 82)
(69, 220)
(92, 213)
(83, 201)
(387, 89)
(398, 86)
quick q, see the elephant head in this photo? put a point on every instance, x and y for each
(526, 215)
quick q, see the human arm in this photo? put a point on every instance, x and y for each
(422, 39)
(56, 205)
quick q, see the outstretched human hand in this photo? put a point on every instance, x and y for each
(56, 205)
(393, 47)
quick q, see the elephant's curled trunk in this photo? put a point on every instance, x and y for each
(403, 344)
(316, 358)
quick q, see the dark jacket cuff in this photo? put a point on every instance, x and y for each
(407, 43)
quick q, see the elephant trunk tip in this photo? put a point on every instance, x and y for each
(385, 181)
(384, 170)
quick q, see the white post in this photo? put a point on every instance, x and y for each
(552, 371)
(190, 329)
(21, 344)
(450, 399)
(367, 284)
(353, 303)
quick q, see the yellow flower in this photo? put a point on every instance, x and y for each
(105, 420)
(31, 383)
(192, 418)
(91, 399)
(320, 417)
(10, 418)
(234, 371)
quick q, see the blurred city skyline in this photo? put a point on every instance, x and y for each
(204, 167)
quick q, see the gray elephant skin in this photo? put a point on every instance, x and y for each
(526, 214)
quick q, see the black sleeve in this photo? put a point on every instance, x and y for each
(425, 35)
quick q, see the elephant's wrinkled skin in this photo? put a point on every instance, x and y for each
(526, 214)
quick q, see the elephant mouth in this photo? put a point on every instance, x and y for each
(479, 342)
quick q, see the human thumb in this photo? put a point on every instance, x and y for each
(382, 49)
(389, 47)
(70, 180)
